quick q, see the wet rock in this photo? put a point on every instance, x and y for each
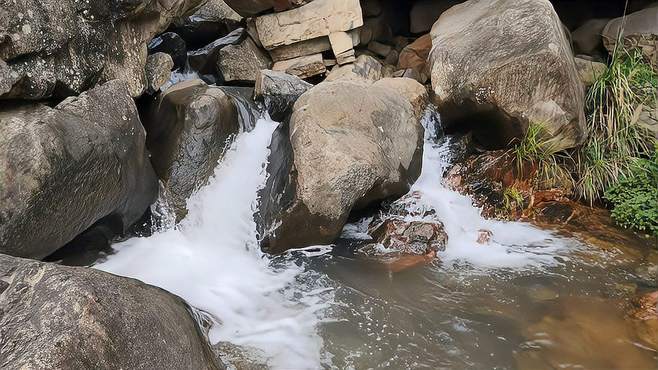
(279, 91)
(63, 169)
(302, 67)
(638, 30)
(53, 316)
(414, 56)
(242, 62)
(366, 157)
(189, 128)
(63, 48)
(400, 237)
(204, 60)
(316, 19)
(365, 68)
(213, 20)
(172, 44)
(589, 71)
(498, 65)
(158, 70)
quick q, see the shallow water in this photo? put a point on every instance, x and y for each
(529, 299)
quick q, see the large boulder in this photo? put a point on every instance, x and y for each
(63, 47)
(56, 317)
(189, 127)
(350, 144)
(639, 30)
(62, 169)
(497, 66)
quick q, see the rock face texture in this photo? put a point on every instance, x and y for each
(279, 91)
(158, 71)
(500, 64)
(64, 47)
(367, 141)
(189, 128)
(242, 62)
(60, 317)
(62, 169)
(414, 56)
(319, 18)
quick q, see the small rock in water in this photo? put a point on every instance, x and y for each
(484, 236)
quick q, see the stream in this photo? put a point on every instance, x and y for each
(532, 298)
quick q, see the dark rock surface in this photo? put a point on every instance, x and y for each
(63, 169)
(64, 47)
(56, 317)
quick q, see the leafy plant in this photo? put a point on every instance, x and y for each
(616, 139)
(635, 197)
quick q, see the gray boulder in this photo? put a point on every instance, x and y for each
(497, 66)
(279, 91)
(189, 128)
(63, 169)
(56, 317)
(349, 144)
(64, 47)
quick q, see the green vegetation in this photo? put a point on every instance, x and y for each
(512, 199)
(616, 140)
(614, 159)
(536, 150)
(635, 198)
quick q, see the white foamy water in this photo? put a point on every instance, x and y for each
(513, 244)
(213, 261)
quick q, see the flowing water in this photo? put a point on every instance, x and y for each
(530, 299)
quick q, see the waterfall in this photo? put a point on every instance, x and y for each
(512, 245)
(213, 261)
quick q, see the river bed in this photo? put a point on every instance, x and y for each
(531, 298)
